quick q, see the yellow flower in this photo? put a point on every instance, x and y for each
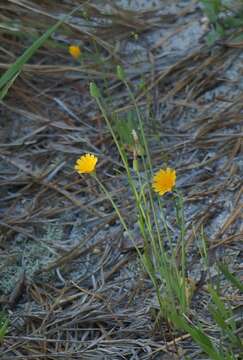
(164, 180)
(86, 164)
(75, 51)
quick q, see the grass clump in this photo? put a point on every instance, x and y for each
(224, 16)
(163, 259)
(163, 256)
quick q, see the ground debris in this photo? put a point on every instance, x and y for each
(70, 281)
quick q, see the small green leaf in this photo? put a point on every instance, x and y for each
(231, 22)
(211, 9)
(212, 36)
(94, 90)
(219, 29)
(120, 72)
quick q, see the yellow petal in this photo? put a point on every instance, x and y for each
(86, 164)
(164, 180)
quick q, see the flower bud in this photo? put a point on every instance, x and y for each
(94, 90)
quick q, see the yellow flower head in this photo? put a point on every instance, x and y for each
(75, 51)
(164, 180)
(86, 164)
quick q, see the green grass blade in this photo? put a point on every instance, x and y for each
(4, 323)
(223, 311)
(4, 90)
(17, 66)
(198, 336)
(12, 73)
(229, 276)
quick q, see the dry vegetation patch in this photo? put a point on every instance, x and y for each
(71, 284)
